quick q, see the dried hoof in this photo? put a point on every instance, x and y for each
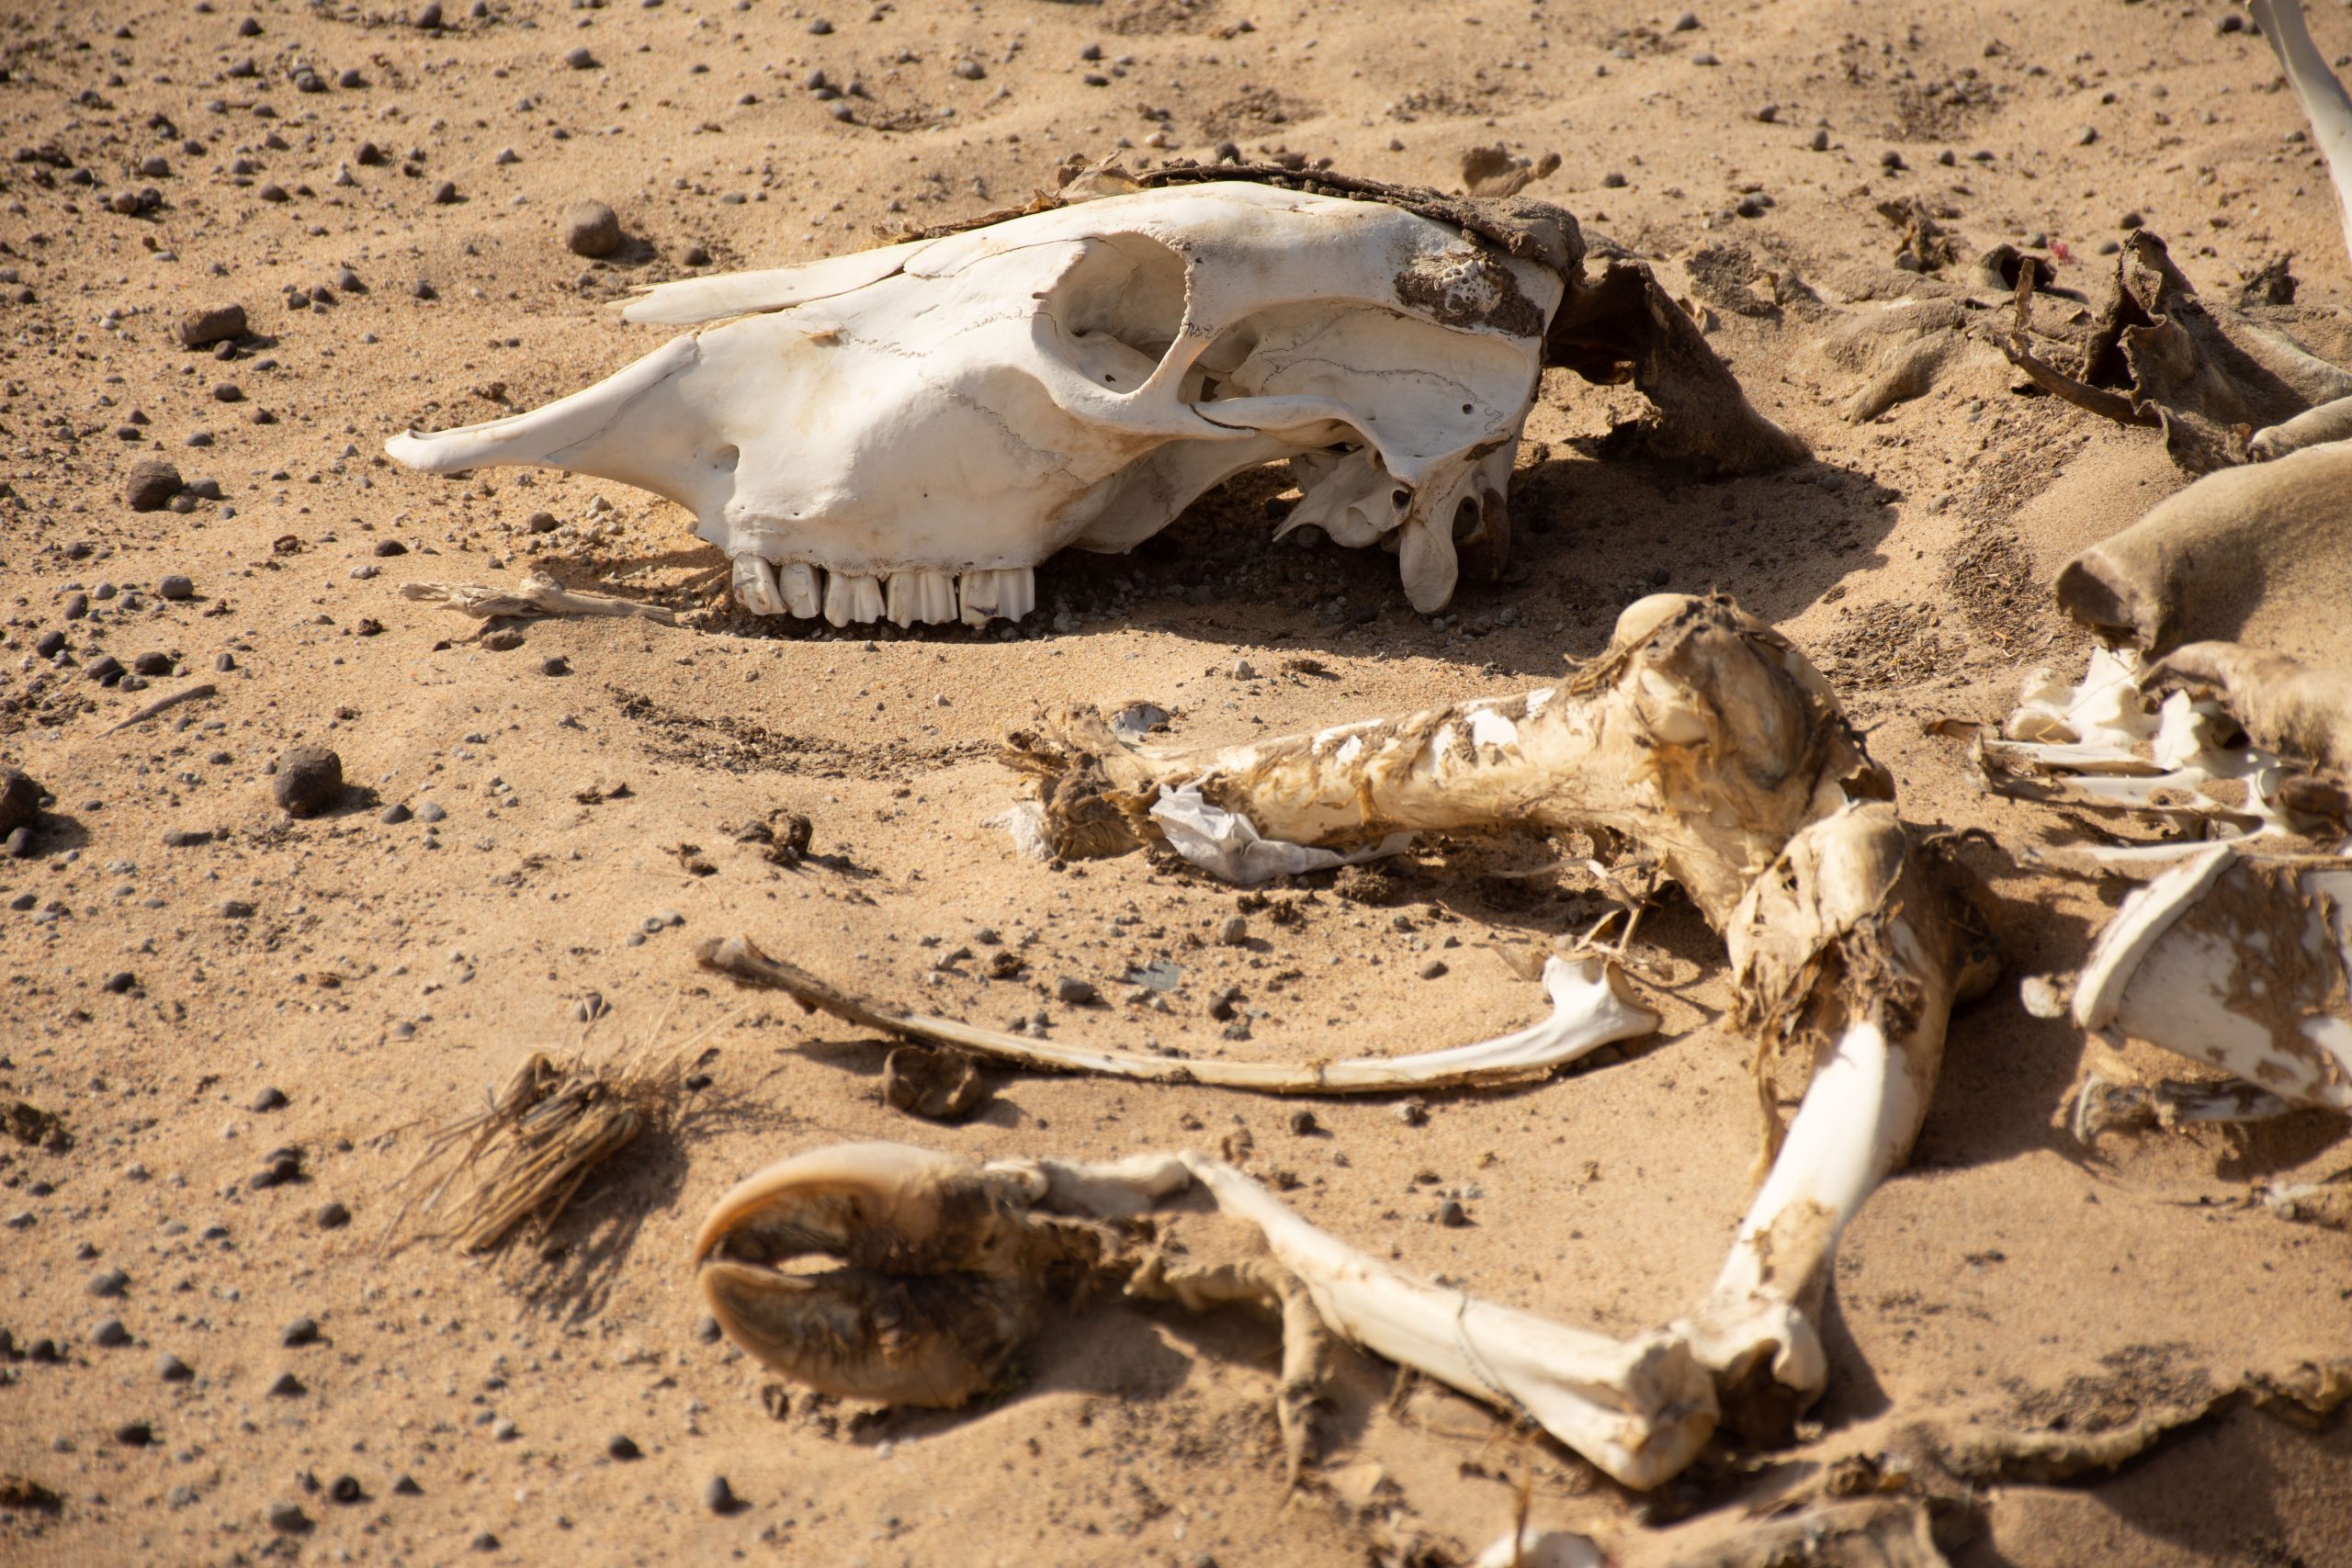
(939, 1086)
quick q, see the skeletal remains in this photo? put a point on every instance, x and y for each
(908, 432)
(905, 433)
(1698, 736)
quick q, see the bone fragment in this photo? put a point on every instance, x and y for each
(1230, 847)
(165, 703)
(2322, 96)
(1592, 1006)
(2237, 958)
(539, 595)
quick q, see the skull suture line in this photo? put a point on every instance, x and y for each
(908, 432)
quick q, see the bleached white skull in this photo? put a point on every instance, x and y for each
(908, 431)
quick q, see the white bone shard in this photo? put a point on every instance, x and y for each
(537, 594)
(2237, 958)
(1592, 1006)
(968, 405)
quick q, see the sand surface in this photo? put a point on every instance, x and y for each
(380, 977)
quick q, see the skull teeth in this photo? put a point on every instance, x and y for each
(923, 594)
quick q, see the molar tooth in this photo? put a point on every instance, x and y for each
(756, 587)
(978, 592)
(797, 584)
(848, 597)
(934, 596)
(1016, 591)
(899, 592)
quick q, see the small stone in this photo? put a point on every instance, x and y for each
(285, 1385)
(430, 17)
(1451, 1214)
(1613, 180)
(1687, 22)
(151, 485)
(302, 1331)
(485, 1542)
(820, 27)
(171, 1369)
(540, 523)
(108, 1283)
(153, 664)
(591, 228)
(269, 1099)
(175, 587)
(333, 1216)
(236, 909)
(708, 1330)
(1304, 1124)
(555, 664)
(346, 1489)
(444, 193)
(580, 58)
(385, 549)
(1433, 969)
(19, 797)
(505, 1430)
(393, 816)
(287, 1519)
(224, 662)
(1820, 142)
(1071, 991)
(1892, 161)
(1233, 932)
(134, 1434)
(209, 324)
(719, 1497)
(2085, 134)
(109, 1333)
(1414, 1114)
(430, 811)
(406, 1486)
(621, 1447)
(309, 781)
(970, 70)
(120, 982)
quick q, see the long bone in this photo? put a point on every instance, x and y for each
(1709, 739)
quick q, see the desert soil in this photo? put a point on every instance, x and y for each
(198, 985)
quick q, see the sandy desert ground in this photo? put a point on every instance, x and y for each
(245, 1023)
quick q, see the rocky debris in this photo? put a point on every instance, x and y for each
(174, 586)
(591, 228)
(151, 485)
(209, 324)
(19, 801)
(309, 781)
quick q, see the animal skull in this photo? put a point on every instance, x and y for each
(908, 432)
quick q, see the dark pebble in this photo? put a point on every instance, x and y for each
(151, 485)
(105, 669)
(444, 193)
(287, 1519)
(1071, 991)
(76, 605)
(555, 665)
(302, 1331)
(236, 909)
(109, 1333)
(393, 815)
(49, 643)
(1451, 1214)
(580, 58)
(1434, 968)
(346, 1489)
(20, 843)
(430, 17)
(333, 1216)
(224, 662)
(171, 1369)
(1302, 1122)
(120, 981)
(134, 1434)
(708, 1330)
(153, 664)
(285, 1385)
(591, 228)
(719, 1497)
(621, 1447)
(269, 1099)
(309, 780)
(187, 837)
(540, 523)
(485, 1542)
(173, 586)
(406, 1486)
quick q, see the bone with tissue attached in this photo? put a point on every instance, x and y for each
(1711, 743)
(954, 409)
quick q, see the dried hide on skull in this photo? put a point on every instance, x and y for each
(1698, 736)
(905, 433)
